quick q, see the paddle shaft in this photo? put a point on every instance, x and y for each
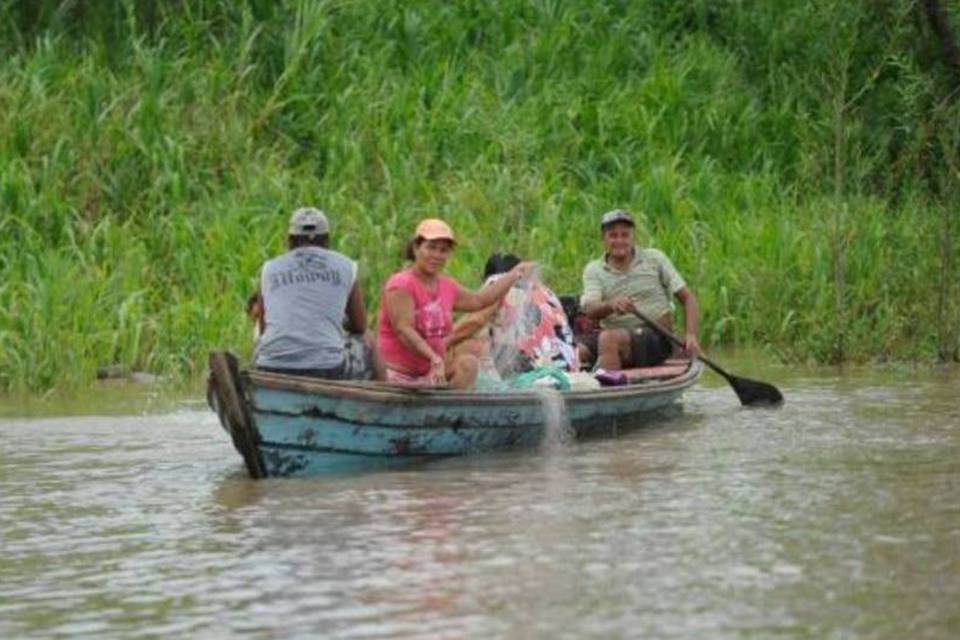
(749, 391)
(675, 340)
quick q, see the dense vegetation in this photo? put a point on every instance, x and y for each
(798, 160)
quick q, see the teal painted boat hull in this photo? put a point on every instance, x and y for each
(293, 426)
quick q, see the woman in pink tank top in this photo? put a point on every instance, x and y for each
(416, 312)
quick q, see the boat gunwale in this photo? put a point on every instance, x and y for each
(382, 392)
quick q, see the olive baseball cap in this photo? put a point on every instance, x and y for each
(617, 215)
(308, 221)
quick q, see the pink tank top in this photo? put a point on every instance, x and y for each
(433, 319)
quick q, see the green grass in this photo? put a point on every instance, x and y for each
(150, 154)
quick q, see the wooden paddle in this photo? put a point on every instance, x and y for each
(749, 391)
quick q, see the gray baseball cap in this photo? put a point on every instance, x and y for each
(308, 221)
(617, 215)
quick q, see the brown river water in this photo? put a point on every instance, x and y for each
(837, 516)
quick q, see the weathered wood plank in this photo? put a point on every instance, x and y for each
(225, 382)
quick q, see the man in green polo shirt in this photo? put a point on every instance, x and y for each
(628, 277)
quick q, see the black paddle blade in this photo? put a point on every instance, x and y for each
(752, 392)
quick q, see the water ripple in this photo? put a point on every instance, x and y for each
(834, 516)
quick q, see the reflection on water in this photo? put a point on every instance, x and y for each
(836, 516)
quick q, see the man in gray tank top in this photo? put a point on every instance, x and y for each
(310, 295)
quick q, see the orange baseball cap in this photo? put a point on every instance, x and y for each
(434, 229)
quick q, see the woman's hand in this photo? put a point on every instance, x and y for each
(438, 374)
(522, 271)
(492, 292)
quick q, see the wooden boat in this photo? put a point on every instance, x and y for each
(286, 425)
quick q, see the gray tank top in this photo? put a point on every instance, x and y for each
(305, 293)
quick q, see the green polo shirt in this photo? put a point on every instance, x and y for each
(651, 281)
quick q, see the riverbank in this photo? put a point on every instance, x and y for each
(129, 397)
